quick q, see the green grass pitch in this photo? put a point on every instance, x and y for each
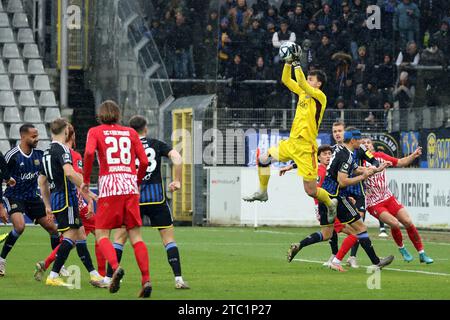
(240, 263)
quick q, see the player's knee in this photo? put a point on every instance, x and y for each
(264, 160)
(19, 229)
(312, 192)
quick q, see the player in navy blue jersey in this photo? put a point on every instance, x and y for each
(153, 200)
(4, 176)
(24, 162)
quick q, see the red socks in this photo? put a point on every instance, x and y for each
(397, 235)
(141, 254)
(108, 252)
(101, 261)
(346, 245)
(49, 260)
(415, 237)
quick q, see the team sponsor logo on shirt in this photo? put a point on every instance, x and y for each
(66, 156)
(37, 162)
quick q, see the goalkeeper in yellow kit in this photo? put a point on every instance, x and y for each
(301, 146)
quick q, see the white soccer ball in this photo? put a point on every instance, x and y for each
(289, 50)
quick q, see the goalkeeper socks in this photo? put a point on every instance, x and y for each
(365, 242)
(264, 176)
(101, 262)
(141, 254)
(173, 256)
(55, 240)
(311, 239)
(397, 235)
(334, 243)
(84, 255)
(119, 250)
(323, 197)
(346, 245)
(9, 243)
(107, 249)
(62, 254)
(415, 237)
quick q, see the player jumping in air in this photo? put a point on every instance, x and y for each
(24, 162)
(153, 203)
(87, 227)
(58, 181)
(341, 167)
(117, 149)
(301, 147)
(383, 205)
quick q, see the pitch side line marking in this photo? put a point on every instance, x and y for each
(391, 269)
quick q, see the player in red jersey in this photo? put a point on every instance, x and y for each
(117, 148)
(383, 205)
(87, 220)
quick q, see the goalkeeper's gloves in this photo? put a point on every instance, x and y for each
(296, 63)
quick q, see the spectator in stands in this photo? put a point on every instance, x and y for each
(286, 7)
(324, 18)
(179, 40)
(339, 113)
(442, 38)
(341, 77)
(225, 8)
(309, 56)
(433, 56)
(340, 38)
(430, 16)
(159, 35)
(237, 91)
(210, 45)
(374, 102)
(313, 35)
(312, 6)
(387, 114)
(386, 75)
(271, 52)
(408, 60)
(406, 22)
(271, 16)
(346, 15)
(239, 24)
(282, 36)
(404, 92)
(298, 22)
(224, 46)
(359, 7)
(362, 67)
(260, 8)
(324, 54)
(255, 41)
(387, 22)
(261, 92)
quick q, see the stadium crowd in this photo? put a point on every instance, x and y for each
(367, 69)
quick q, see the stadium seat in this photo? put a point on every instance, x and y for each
(25, 35)
(6, 35)
(27, 99)
(4, 82)
(32, 115)
(20, 20)
(14, 131)
(43, 144)
(11, 115)
(14, 6)
(2, 67)
(3, 131)
(41, 83)
(42, 131)
(5, 146)
(21, 82)
(47, 99)
(11, 51)
(16, 66)
(51, 114)
(7, 99)
(4, 21)
(31, 51)
(35, 66)
(1, 7)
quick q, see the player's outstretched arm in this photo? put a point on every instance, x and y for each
(177, 162)
(304, 85)
(288, 81)
(345, 181)
(406, 161)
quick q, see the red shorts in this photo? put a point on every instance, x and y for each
(117, 211)
(390, 205)
(338, 226)
(89, 224)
